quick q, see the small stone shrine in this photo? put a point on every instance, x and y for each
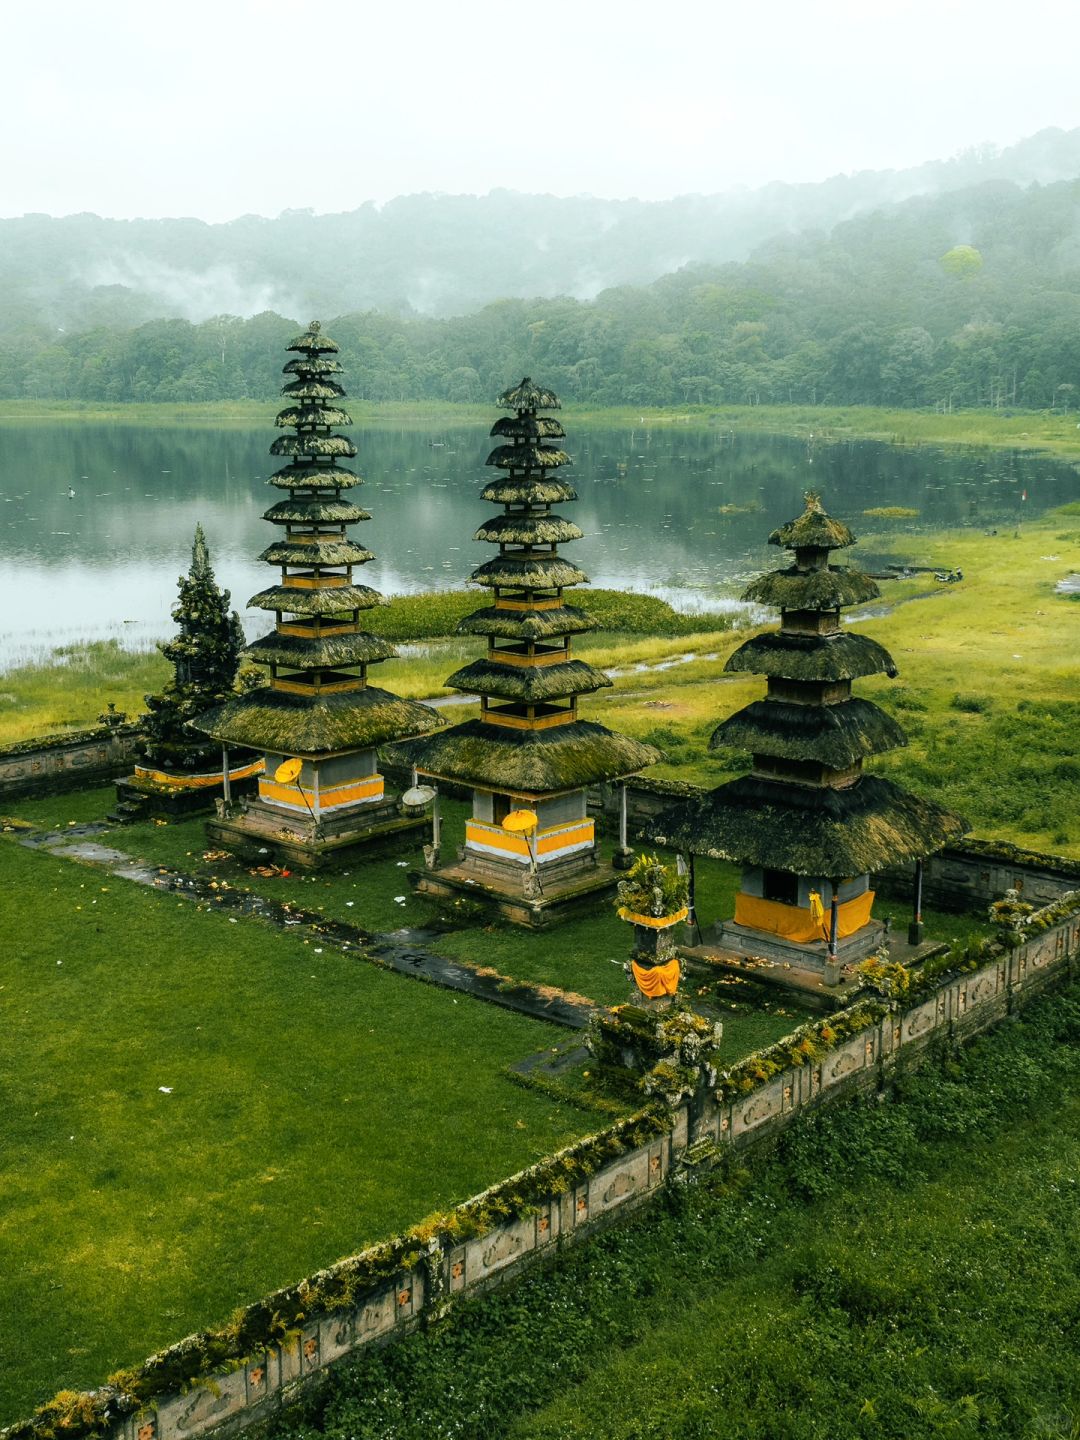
(317, 723)
(806, 824)
(529, 753)
(180, 771)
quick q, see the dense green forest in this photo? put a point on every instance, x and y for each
(966, 298)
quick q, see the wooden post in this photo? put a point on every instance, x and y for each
(915, 929)
(315, 794)
(832, 962)
(622, 816)
(436, 827)
(691, 919)
(226, 789)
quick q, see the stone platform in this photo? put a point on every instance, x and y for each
(755, 944)
(254, 830)
(140, 799)
(577, 891)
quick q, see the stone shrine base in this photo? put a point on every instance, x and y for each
(570, 888)
(812, 955)
(138, 798)
(254, 830)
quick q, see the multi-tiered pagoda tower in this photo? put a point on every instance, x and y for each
(807, 825)
(318, 708)
(529, 750)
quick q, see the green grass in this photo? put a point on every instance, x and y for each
(317, 1104)
(904, 1270)
(70, 690)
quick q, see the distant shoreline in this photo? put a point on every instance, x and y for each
(1035, 430)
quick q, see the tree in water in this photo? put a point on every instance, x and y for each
(205, 656)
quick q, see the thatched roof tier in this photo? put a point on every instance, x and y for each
(813, 529)
(527, 456)
(526, 395)
(834, 735)
(313, 339)
(293, 600)
(308, 512)
(795, 589)
(529, 684)
(528, 572)
(518, 529)
(313, 445)
(808, 831)
(286, 723)
(528, 427)
(528, 762)
(316, 552)
(844, 656)
(313, 415)
(310, 476)
(308, 652)
(522, 490)
(311, 389)
(527, 624)
(313, 365)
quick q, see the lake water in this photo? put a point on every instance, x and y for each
(683, 513)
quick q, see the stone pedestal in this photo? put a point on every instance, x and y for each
(253, 829)
(566, 889)
(152, 793)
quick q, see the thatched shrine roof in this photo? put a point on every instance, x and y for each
(528, 427)
(835, 735)
(528, 572)
(529, 684)
(313, 445)
(311, 476)
(307, 652)
(518, 529)
(290, 724)
(529, 762)
(312, 339)
(303, 512)
(523, 490)
(527, 624)
(809, 831)
(311, 389)
(526, 395)
(313, 365)
(296, 601)
(316, 552)
(794, 589)
(527, 456)
(313, 415)
(813, 529)
(844, 656)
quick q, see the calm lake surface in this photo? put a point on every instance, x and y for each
(679, 512)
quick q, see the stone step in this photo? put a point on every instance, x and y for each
(125, 812)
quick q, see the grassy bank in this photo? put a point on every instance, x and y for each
(196, 1111)
(905, 1270)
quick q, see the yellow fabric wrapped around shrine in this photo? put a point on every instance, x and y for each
(792, 923)
(657, 980)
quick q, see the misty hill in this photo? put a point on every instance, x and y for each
(443, 254)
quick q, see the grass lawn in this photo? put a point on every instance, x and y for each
(311, 1104)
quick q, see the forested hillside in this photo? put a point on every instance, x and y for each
(971, 297)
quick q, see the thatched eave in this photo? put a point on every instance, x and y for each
(527, 427)
(283, 723)
(827, 833)
(313, 340)
(306, 652)
(313, 445)
(312, 365)
(844, 656)
(311, 389)
(304, 476)
(835, 735)
(529, 684)
(794, 589)
(316, 552)
(527, 395)
(522, 490)
(292, 600)
(527, 624)
(516, 529)
(316, 414)
(529, 572)
(528, 456)
(813, 530)
(315, 511)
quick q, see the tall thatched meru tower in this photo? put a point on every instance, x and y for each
(529, 750)
(806, 824)
(318, 708)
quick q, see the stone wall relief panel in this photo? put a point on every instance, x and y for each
(923, 1018)
(375, 1316)
(202, 1408)
(487, 1254)
(760, 1105)
(614, 1185)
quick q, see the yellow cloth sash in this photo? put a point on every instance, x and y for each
(791, 922)
(656, 980)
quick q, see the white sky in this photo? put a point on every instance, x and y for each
(218, 108)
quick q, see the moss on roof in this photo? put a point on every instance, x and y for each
(529, 684)
(528, 427)
(528, 762)
(835, 735)
(301, 475)
(310, 389)
(522, 490)
(316, 552)
(813, 529)
(794, 589)
(527, 456)
(306, 652)
(808, 831)
(312, 365)
(315, 414)
(528, 572)
(292, 600)
(518, 529)
(313, 445)
(312, 339)
(845, 656)
(527, 624)
(328, 512)
(289, 724)
(527, 395)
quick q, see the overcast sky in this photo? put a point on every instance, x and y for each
(217, 108)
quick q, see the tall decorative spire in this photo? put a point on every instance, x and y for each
(529, 747)
(318, 706)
